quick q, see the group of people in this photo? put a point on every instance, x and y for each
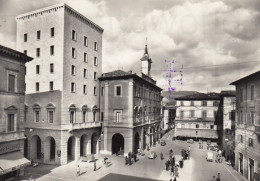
(216, 178)
(130, 159)
(185, 154)
(171, 166)
(219, 156)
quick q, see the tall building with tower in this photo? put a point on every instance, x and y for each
(62, 101)
(130, 107)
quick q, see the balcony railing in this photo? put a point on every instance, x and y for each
(73, 126)
(9, 136)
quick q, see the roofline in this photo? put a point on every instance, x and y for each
(128, 76)
(59, 6)
(16, 54)
(244, 78)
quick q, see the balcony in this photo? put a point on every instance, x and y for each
(11, 136)
(74, 126)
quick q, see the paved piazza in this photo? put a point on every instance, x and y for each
(195, 169)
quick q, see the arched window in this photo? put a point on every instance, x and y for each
(84, 113)
(72, 110)
(36, 113)
(50, 112)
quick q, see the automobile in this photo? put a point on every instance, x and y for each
(163, 143)
(208, 142)
(209, 157)
(213, 147)
(152, 155)
(190, 141)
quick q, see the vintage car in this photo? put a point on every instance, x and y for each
(209, 157)
(163, 143)
(190, 141)
(213, 147)
(152, 155)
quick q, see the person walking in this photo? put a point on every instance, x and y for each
(161, 156)
(126, 160)
(77, 171)
(129, 160)
(214, 178)
(95, 166)
(172, 172)
(176, 172)
(175, 179)
(218, 177)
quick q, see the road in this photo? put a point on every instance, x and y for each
(145, 169)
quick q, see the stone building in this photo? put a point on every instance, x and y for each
(12, 84)
(227, 109)
(247, 131)
(130, 109)
(196, 116)
(62, 101)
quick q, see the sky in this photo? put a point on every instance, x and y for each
(208, 43)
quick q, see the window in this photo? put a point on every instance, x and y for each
(38, 52)
(10, 123)
(74, 35)
(102, 116)
(197, 126)
(73, 70)
(37, 116)
(74, 53)
(37, 86)
(52, 32)
(241, 138)
(96, 46)
(84, 89)
(181, 114)
(204, 103)
(38, 35)
(241, 118)
(95, 61)
(192, 113)
(181, 103)
(252, 92)
(191, 103)
(204, 114)
(102, 91)
(50, 116)
(37, 69)
(84, 116)
(211, 126)
(51, 86)
(233, 115)
(118, 91)
(52, 50)
(117, 117)
(72, 116)
(11, 83)
(85, 73)
(250, 142)
(25, 52)
(51, 68)
(95, 75)
(25, 112)
(251, 118)
(85, 41)
(25, 37)
(215, 103)
(95, 91)
(241, 94)
(73, 87)
(85, 57)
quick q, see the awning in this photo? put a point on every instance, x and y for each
(12, 161)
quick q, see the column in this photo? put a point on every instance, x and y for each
(77, 148)
(130, 102)
(46, 150)
(89, 146)
(98, 142)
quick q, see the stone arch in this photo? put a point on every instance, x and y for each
(118, 143)
(94, 143)
(50, 149)
(144, 139)
(25, 147)
(71, 144)
(36, 146)
(136, 142)
(84, 145)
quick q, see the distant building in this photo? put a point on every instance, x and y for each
(169, 113)
(62, 101)
(12, 87)
(228, 108)
(130, 109)
(196, 116)
(247, 133)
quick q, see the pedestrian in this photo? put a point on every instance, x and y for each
(214, 178)
(167, 165)
(126, 160)
(95, 166)
(181, 163)
(135, 157)
(176, 171)
(129, 160)
(189, 148)
(175, 179)
(78, 171)
(218, 177)
(172, 172)
(161, 156)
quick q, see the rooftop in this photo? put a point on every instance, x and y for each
(200, 96)
(245, 78)
(5, 51)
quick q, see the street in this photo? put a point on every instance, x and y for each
(195, 169)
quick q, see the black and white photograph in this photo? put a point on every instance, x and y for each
(141, 90)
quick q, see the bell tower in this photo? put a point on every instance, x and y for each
(146, 62)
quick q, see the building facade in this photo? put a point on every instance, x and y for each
(62, 101)
(247, 131)
(131, 110)
(228, 108)
(12, 97)
(196, 116)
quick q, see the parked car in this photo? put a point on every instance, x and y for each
(208, 142)
(213, 147)
(163, 143)
(209, 157)
(152, 155)
(190, 141)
